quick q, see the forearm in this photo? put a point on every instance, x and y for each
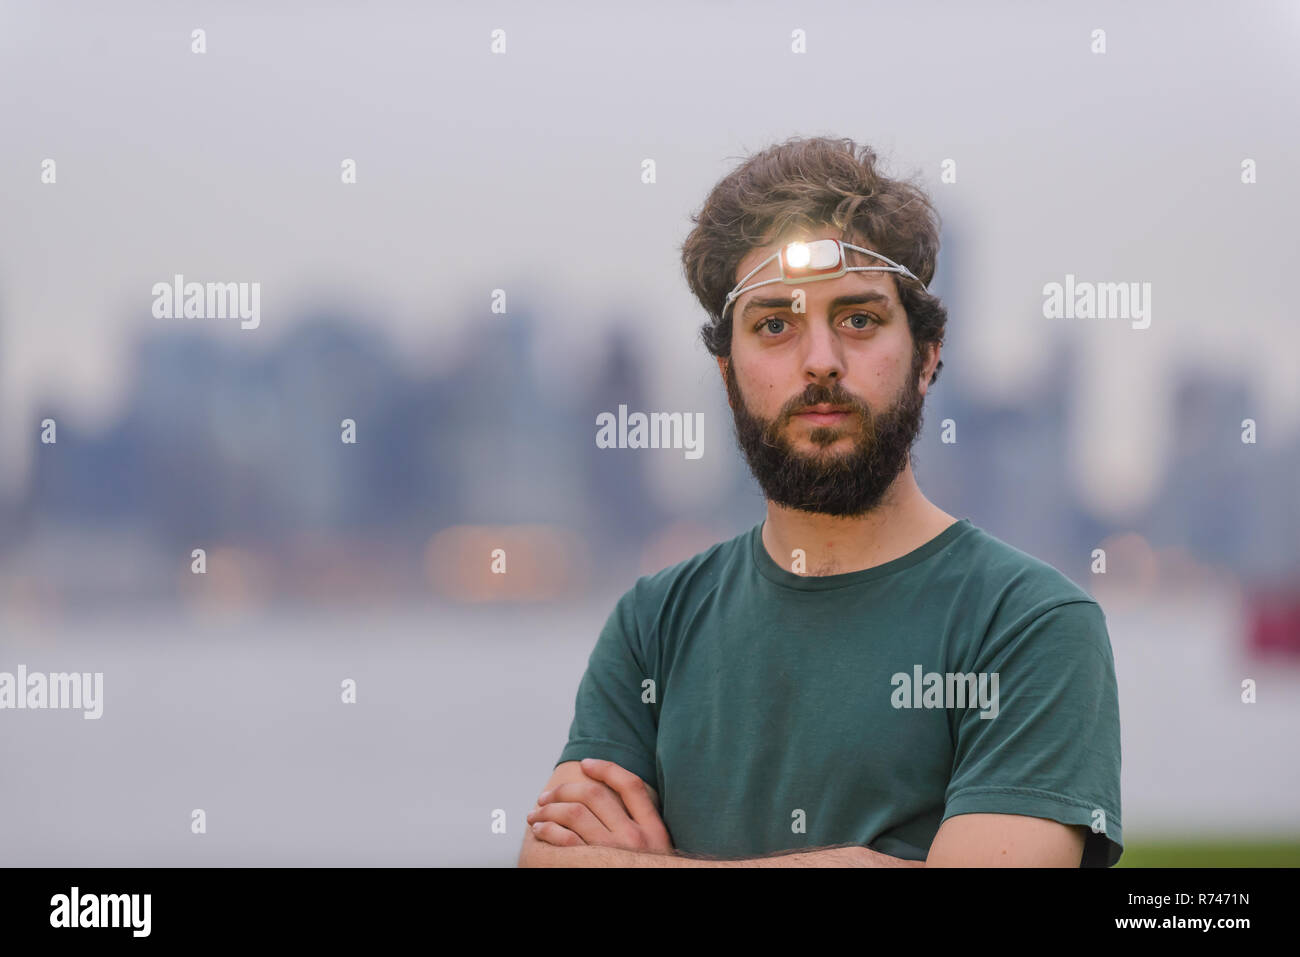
(847, 855)
(537, 853)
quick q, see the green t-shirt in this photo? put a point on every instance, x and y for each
(775, 711)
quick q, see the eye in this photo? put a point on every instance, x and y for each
(870, 320)
(766, 324)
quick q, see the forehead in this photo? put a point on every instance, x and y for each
(849, 282)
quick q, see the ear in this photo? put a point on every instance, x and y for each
(927, 370)
(722, 369)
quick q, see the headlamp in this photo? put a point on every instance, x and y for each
(802, 262)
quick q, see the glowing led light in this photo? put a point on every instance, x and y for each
(797, 255)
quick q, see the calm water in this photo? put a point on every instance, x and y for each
(464, 711)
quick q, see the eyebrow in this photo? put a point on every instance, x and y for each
(856, 299)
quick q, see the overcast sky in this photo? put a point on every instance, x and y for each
(478, 170)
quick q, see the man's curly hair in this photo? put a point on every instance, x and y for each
(811, 183)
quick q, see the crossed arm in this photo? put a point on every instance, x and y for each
(597, 814)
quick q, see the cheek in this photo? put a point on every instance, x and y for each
(884, 372)
(765, 388)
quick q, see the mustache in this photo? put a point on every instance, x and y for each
(822, 395)
(771, 434)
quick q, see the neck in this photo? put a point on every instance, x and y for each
(832, 545)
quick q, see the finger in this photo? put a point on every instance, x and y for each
(578, 818)
(601, 799)
(548, 795)
(634, 792)
(552, 833)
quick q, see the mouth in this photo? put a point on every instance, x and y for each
(824, 414)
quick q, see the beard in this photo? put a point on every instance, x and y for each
(847, 484)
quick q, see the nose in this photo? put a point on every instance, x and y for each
(823, 357)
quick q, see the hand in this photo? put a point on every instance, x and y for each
(611, 807)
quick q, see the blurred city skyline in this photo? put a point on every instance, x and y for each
(218, 447)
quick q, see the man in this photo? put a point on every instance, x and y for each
(861, 679)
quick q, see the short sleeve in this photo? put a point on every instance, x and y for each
(1052, 749)
(610, 720)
